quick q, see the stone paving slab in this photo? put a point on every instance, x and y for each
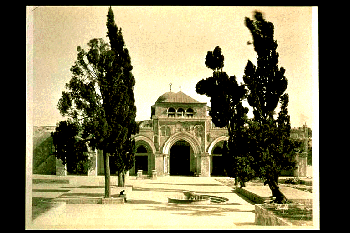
(147, 208)
(145, 216)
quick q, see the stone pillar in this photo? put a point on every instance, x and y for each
(93, 156)
(154, 175)
(166, 161)
(139, 174)
(296, 170)
(61, 170)
(205, 165)
(198, 164)
(159, 164)
(302, 164)
(301, 168)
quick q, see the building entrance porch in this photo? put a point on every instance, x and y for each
(180, 159)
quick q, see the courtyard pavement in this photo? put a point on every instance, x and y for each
(147, 206)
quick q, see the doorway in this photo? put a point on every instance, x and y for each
(141, 159)
(180, 154)
(217, 163)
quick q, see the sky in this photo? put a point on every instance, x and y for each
(168, 44)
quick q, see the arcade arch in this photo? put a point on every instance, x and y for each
(216, 159)
(181, 152)
(143, 157)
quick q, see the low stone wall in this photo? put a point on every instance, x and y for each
(94, 200)
(252, 196)
(115, 200)
(264, 217)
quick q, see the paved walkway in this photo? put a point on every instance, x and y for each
(147, 207)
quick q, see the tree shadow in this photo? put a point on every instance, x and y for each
(150, 202)
(157, 189)
(199, 184)
(96, 187)
(50, 190)
(191, 184)
(82, 195)
(210, 192)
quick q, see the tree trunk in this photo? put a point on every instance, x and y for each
(276, 192)
(121, 179)
(107, 174)
(242, 183)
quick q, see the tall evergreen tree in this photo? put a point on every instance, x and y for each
(270, 144)
(260, 146)
(124, 111)
(226, 97)
(100, 100)
(70, 148)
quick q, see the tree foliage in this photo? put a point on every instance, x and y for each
(258, 147)
(70, 148)
(100, 99)
(271, 148)
(214, 59)
(226, 97)
(265, 82)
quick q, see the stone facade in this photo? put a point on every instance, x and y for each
(179, 139)
(176, 118)
(44, 161)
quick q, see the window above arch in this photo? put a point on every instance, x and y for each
(180, 112)
(189, 112)
(171, 112)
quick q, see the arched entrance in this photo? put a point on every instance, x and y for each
(180, 158)
(176, 159)
(216, 159)
(143, 155)
(141, 159)
(217, 168)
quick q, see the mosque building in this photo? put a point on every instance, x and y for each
(179, 139)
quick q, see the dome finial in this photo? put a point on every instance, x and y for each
(170, 86)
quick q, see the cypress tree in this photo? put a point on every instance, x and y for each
(121, 100)
(100, 101)
(270, 145)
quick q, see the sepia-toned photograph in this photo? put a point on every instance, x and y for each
(172, 117)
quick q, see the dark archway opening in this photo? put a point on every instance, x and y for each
(180, 154)
(141, 159)
(218, 162)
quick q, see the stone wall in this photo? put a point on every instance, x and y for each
(44, 161)
(264, 217)
(252, 196)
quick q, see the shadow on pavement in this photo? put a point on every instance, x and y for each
(157, 189)
(191, 184)
(50, 190)
(90, 187)
(131, 201)
(82, 195)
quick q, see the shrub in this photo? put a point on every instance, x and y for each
(294, 181)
